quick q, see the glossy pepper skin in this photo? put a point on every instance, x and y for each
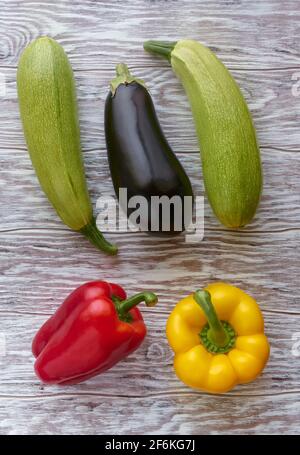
(94, 328)
(218, 338)
(139, 155)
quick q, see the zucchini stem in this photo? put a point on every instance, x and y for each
(163, 48)
(96, 238)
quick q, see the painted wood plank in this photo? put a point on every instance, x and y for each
(41, 267)
(186, 414)
(42, 261)
(270, 95)
(244, 34)
(148, 372)
(24, 206)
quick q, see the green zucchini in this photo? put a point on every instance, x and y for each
(229, 150)
(48, 107)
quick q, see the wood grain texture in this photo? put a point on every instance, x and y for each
(245, 36)
(270, 99)
(41, 260)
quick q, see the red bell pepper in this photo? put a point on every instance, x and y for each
(94, 328)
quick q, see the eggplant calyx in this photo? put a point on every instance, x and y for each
(124, 77)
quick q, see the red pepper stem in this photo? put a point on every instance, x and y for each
(217, 333)
(126, 305)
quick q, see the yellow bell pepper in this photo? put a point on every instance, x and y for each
(218, 338)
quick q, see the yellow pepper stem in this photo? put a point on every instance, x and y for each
(216, 336)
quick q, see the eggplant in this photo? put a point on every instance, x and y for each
(140, 158)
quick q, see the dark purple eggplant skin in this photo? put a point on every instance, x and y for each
(139, 155)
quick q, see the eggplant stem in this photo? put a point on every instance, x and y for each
(123, 77)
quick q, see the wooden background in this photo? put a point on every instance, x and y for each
(42, 261)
